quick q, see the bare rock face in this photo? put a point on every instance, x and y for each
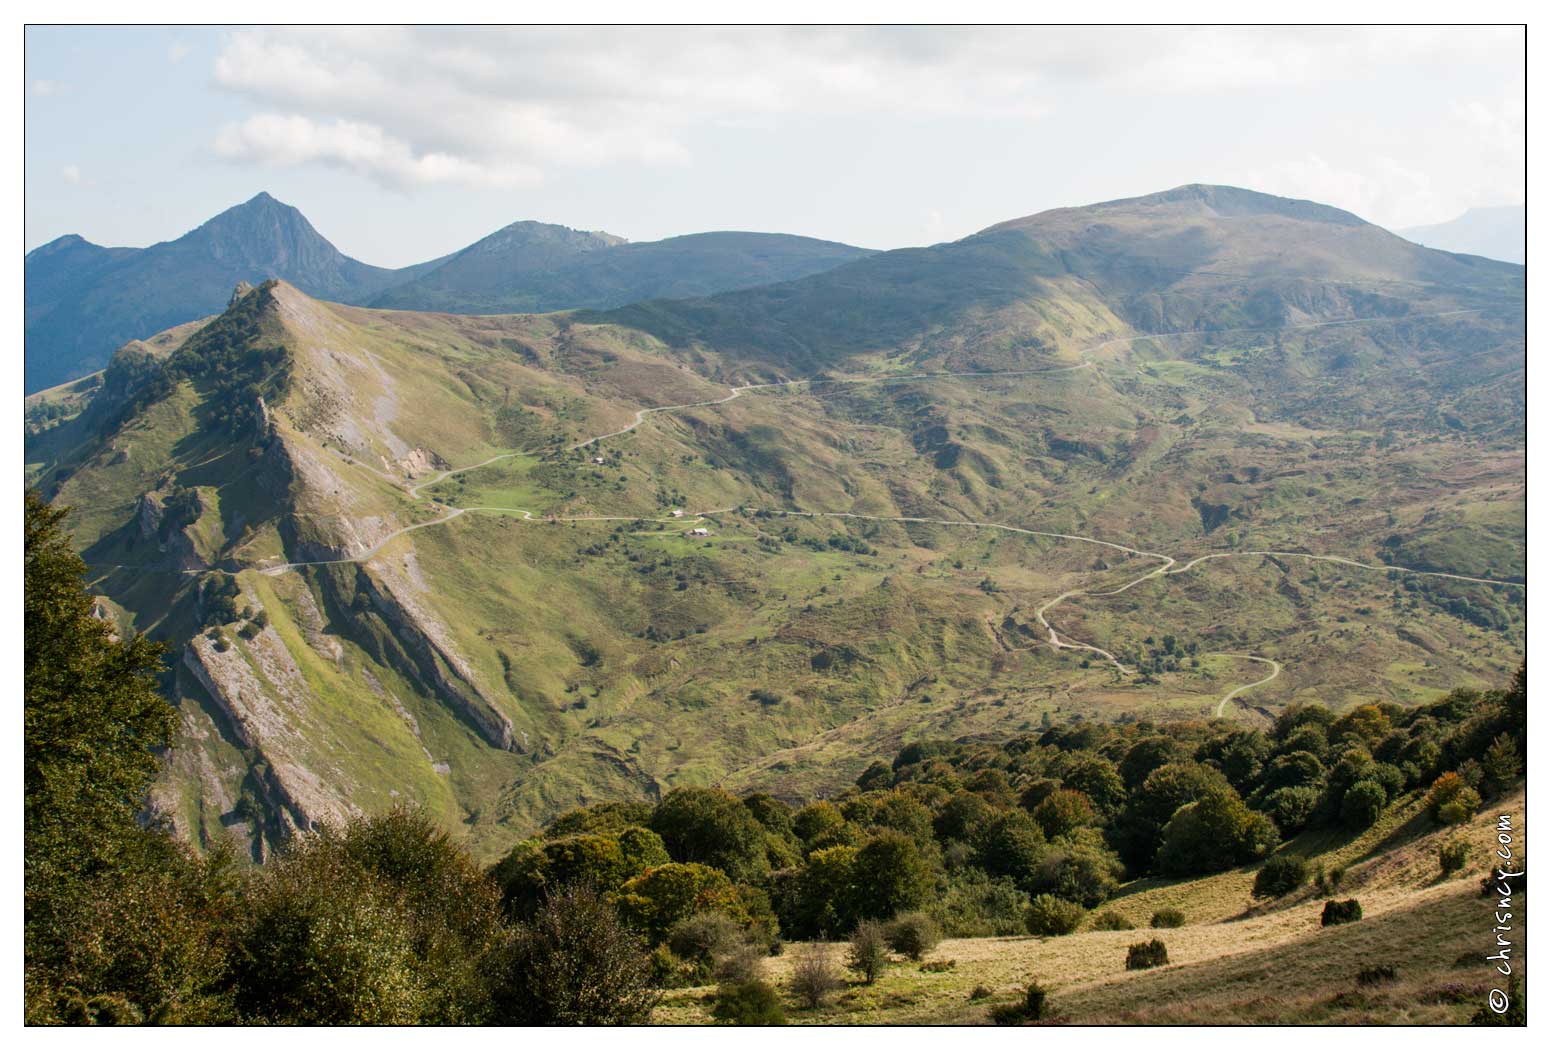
(164, 518)
(266, 701)
(419, 462)
(426, 653)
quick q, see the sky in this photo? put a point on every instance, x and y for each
(401, 145)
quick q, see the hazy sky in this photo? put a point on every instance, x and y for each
(402, 145)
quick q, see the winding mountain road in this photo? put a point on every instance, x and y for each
(1168, 564)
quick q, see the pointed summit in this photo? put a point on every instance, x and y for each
(83, 301)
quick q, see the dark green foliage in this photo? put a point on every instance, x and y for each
(1063, 812)
(868, 952)
(1339, 912)
(1167, 918)
(1291, 808)
(1144, 955)
(1012, 846)
(976, 905)
(1035, 999)
(535, 867)
(574, 964)
(1240, 755)
(1281, 875)
(228, 359)
(1030, 1009)
(963, 817)
(1213, 833)
(1048, 916)
(1139, 829)
(878, 775)
(1501, 764)
(1362, 804)
(91, 721)
(1146, 756)
(1453, 856)
(1451, 801)
(912, 934)
(752, 1002)
(1081, 870)
(891, 874)
(711, 827)
(659, 897)
(1112, 921)
(218, 594)
(821, 824)
(600, 819)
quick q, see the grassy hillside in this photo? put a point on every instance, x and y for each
(1235, 962)
(431, 557)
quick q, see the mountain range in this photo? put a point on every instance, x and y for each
(1203, 453)
(1496, 233)
(83, 301)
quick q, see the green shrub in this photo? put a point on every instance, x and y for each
(387, 922)
(977, 906)
(1362, 804)
(752, 1002)
(1165, 918)
(1049, 915)
(700, 939)
(1034, 1001)
(1030, 1009)
(575, 963)
(979, 992)
(1007, 1014)
(868, 953)
(938, 966)
(1453, 856)
(1110, 920)
(670, 972)
(1291, 807)
(1143, 955)
(912, 934)
(1338, 912)
(1451, 801)
(1280, 875)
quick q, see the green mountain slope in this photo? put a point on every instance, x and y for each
(531, 267)
(1021, 476)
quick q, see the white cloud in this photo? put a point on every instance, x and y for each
(71, 173)
(496, 106)
(45, 88)
(1472, 156)
(178, 50)
(277, 140)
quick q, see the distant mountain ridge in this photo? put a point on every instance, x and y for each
(1496, 233)
(560, 272)
(83, 300)
(1194, 258)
